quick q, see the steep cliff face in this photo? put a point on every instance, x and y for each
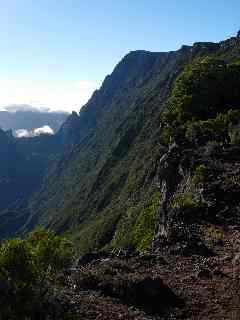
(106, 171)
(100, 189)
(102, 182)
(150, 165)
(198, 175)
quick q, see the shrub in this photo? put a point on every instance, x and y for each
(28, 268)
(187, 201)
(145, 227)
(234, 134)
(200, 174)
(51, 253)
(203, 90)
(208, 130)
(165, 135)
(19, 274)
(221, 129)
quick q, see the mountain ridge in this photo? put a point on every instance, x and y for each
(104, 170)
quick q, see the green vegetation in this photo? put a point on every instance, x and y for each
(187, 201)
(28, 272)
(97, 233)
(165, 135)
(145, 227)
(203, 90)
(123, 237)
(214, 233)
(204, 103)
(221, 129)
(95, 177)
(200, 174)
(234, 134)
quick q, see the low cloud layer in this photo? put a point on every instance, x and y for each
(24, 107)
(23, 133)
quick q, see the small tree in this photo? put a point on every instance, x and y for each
(28, 270)
(51, 253)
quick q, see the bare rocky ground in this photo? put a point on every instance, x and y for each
(157, 286)
(192, 273)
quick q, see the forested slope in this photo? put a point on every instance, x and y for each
(101, 185)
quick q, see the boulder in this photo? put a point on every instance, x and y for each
(150, 294)
(154, 295)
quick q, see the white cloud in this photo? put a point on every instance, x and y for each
(43, 130)
(25, 107)
(23, 133)
(59, 97)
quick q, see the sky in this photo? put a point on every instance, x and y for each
(55, 53)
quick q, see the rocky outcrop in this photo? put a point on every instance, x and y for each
(169, 177)
(187, 206)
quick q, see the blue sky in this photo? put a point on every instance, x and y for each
(55, 53)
